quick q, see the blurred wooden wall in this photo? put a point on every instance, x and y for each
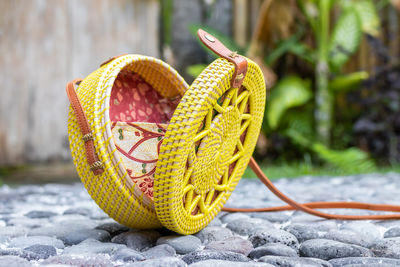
(45, 43)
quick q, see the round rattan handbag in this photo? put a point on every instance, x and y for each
(153, 151)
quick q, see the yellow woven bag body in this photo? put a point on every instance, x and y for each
(153, 151)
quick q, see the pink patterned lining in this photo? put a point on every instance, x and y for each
(134, 100)
(140, 117)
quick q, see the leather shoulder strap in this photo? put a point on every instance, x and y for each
(95, 165)
(221, 50)
(311, 206)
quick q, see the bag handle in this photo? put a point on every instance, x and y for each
(95, 164)
(311, 206)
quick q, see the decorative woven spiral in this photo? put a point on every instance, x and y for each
(207, 146)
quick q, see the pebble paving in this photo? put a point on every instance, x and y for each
(59, 225)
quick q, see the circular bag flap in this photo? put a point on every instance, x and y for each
(207, 146)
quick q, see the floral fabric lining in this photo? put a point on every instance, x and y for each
(138, 145)
(140, 118)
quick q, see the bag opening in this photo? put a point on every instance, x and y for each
(139, 115)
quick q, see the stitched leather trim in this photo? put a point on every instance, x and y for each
(221, 50)
(76, 105)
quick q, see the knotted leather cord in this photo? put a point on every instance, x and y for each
(311, 206)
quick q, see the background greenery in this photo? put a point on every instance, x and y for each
(318, 112)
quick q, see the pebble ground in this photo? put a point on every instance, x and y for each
(59, 225)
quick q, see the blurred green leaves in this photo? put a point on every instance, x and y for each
(337, 31)
(195, 70)
(348, 82)
(345, 39)
(367, 13)
(290, 92)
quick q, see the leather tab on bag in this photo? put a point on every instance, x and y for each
(111, 59)
(221, 50)
(95, 165)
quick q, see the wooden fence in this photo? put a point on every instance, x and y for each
(45, 43)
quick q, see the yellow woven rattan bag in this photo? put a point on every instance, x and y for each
(153, 151)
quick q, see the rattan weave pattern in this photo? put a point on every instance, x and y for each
(112, 190)
(180, 204)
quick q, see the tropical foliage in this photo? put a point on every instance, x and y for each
(301, 105)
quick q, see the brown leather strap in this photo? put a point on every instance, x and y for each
(221, 50)
(91, 156)
(311, 206)
(111, 59)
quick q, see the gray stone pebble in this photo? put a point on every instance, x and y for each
(8, 232)
(113, 228)
(222, 263)
(388, 247)
(367, 231)
(27, 222)
(80, 211)
(294, 262)
(162, 262)
(371, 265)
(8, 261)
(92, 246)
(328, 249)
(72, 234)
(392, 232)
(20, 253)
(128, 255)
(82, 260)
(233, 244)
(42, 251)
(214, 233)
(160, 251)
(137, 240)
(274, 217)
(215, 222)
(182, 244)
(266, 236)
(77, 237)
(346, 236)
(364, 261)
(23, 242)
(229, 217)
(273, 249)
(202, 255)
(303, 232)
(247, 226)
(39, 214)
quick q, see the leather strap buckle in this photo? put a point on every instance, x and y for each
(232, 56)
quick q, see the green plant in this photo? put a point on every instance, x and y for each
(303, 109)
(331, 51)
